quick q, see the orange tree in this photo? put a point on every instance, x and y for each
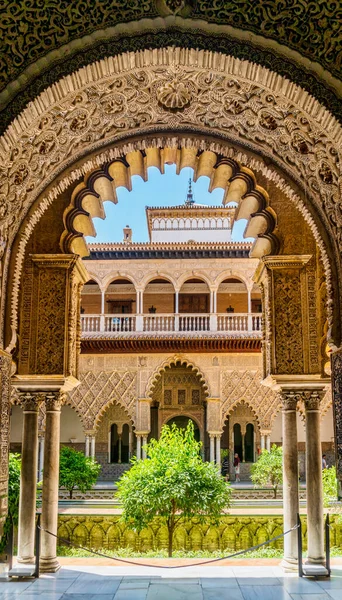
(172, 483)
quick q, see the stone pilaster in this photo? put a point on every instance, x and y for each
(30, 402)
(314, 489)
(49, 340)
(5, 394)
(290, 477)
(290, 325)
(48, 559)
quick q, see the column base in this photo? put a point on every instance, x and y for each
(315, 561)
(289, 564)
(26, 561)
(49, 565)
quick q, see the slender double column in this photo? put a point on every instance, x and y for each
(28, 477)
(314, 489)
(49, 520)
(290, 477)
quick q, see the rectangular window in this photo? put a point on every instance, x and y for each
(168, 397)
(181, 396)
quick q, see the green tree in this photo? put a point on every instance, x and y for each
(329, 486)
(14, 467)
(77, 470)
(172, 483)
(269, 468)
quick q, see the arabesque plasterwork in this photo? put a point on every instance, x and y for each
(98, 390)
(245, 386)
(91, 109)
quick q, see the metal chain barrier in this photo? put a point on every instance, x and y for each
(138, 564)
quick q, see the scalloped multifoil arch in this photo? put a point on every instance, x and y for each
(214, 95)
(168, 363)
(246, 402)
(112, 400)
(256, 164)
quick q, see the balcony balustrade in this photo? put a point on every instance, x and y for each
(233, 324)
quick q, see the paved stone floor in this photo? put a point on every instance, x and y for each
(193, 583)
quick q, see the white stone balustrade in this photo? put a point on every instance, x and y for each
(230, 323)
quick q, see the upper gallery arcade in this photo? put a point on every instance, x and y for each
(260, 119)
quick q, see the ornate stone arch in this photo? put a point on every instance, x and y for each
(246, 403)
(172, 361)
(276, 112)
(104, 408)
(231, 274)
(190, 416)
(246, 386)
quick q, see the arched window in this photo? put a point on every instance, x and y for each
(237, 440)
(249, 443)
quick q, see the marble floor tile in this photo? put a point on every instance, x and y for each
(50, 585)
(258, 581)
(137, 594)
(31, 596)
(300, 585)
(331, 584)
(174, 591)
(87, 597)
(213, 582)
(309, 596)
(261, 592)
(222, 593)
(334, 594)
(90, 584)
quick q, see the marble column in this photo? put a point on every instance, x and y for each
(119, 448)
(144, 441)
(218, 449)
(243, 435)
(138, 446)
(262, 442)
(212, 447)
(92, 447)
(41, 443)
(28, 478)
(49, 520)
(290, 477)
(86, 445)
(314, 489)
(268, 442)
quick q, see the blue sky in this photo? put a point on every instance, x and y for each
(160, 190)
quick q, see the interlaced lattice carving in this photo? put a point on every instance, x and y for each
(98, 390)
(238, 386)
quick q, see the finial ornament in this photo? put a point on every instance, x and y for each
(190, 197)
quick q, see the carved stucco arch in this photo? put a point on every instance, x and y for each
(246, 386)
(168, 363)
(112, 401)
(237, 181)
(28, 148)
(170, 416)
(195, 274)
(236, 404)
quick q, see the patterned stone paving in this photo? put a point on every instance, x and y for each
(247, 582)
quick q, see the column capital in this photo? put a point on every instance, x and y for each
(290, 399)
(31, 401)
(53, 401)
(265, 432)
(312, 399)
(90, 432)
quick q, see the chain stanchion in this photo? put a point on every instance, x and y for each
(138, 564)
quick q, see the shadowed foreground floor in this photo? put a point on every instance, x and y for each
(84, 582)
